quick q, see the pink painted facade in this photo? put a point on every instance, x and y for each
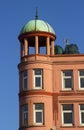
(45, 100)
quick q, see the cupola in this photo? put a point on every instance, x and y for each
(35, 35)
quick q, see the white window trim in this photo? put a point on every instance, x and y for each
(66, 77)
(36, 123)
(80, 111)
(79, 80)
(66, 111)
(24, 89)
(24, 113)
(36, 76)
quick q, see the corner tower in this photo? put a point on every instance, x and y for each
(35, 74)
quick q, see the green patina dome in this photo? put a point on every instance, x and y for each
(58, 49)
(37, 25)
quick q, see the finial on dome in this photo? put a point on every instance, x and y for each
(67, 41)
(36, 17)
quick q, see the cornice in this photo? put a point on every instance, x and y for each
(43, 92)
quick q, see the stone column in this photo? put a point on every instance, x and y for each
(52, 48)
(25, 47)
(22, 49)
(36, 44)
(48, 46)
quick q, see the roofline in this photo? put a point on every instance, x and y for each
(36, 33)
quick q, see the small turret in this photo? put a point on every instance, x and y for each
(71, 49)
(58, 49)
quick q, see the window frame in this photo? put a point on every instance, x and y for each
(67, 111)
(36, 111)
(80, 77)
(67, 77)
(80, 111)
(38, 76)
(23, 80)
(25, 113)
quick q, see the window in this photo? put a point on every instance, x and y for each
(25, 115)
(24, 75)
(67, 80)
(81, 114)
(38, 78)
(81, 79)
(67, 114)
(39, 113)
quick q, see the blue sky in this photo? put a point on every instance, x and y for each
(67, 19)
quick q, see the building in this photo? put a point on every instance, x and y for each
(51, 86)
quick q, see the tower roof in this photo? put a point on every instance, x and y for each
(37, 25)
